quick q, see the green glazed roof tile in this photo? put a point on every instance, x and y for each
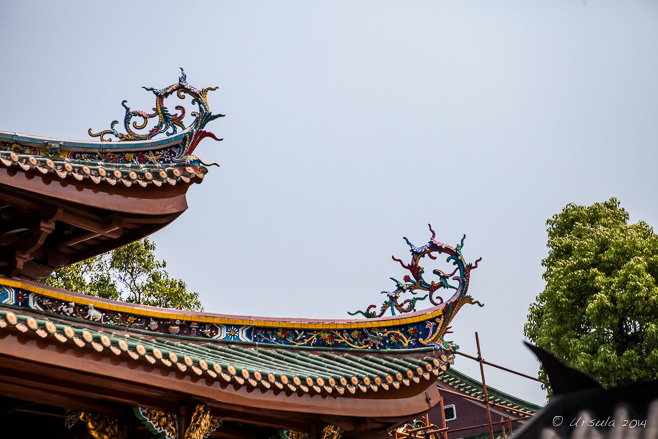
(298, 370)
(473, 388)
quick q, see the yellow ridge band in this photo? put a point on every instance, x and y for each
(241, 321)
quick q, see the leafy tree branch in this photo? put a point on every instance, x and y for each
(131, 274)
(599, 309)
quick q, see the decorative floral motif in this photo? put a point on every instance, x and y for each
(21, 298)
(233, 333)
(115, 318)
(156, 157)
(22, 149)
(159, 156)
(396, 337)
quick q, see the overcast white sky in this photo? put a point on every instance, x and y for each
(351, 124)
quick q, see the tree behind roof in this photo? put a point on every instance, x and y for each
(599, 309)
(131, 274)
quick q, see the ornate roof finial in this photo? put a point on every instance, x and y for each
(416, 281)
(167, 123)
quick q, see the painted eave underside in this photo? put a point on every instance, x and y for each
(57, 209)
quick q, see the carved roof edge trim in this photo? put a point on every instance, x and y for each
(94, 146)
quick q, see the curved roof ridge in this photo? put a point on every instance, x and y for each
(392, 334)
(94, 145)
(152, 311)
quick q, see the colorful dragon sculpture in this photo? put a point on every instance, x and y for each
(416, 282)
(167, 123)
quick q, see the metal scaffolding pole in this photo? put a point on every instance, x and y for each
(484, 385)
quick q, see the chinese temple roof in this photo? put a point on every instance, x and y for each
(251, 367)
(473, 387)
(359, 374)
(65, 201)
(112, 351)
(29, 153)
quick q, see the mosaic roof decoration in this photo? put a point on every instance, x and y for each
(167, 123)
(415, 282)
(420, 331)
(398, 333)
(71, 200)
(140, 159)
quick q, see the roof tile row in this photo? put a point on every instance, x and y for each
(254, 367)
(473, 388)
(109, 173)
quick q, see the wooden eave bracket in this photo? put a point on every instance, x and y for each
(22, 252)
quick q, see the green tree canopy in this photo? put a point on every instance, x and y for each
(131, 274)
(599, 309)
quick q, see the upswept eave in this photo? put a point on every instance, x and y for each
(89, 365)
(415, 332)
(92, 146)
(63, 201)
